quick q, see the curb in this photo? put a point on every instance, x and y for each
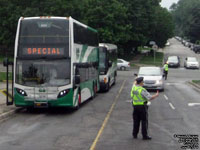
(7, 114)
(196, 86)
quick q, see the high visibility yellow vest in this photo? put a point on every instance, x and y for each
(166, 67)
(136, 95)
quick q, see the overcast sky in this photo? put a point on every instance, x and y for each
(168, 3)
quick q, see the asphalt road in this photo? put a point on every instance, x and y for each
(105, 123)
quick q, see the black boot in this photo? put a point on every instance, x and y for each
(147, 138)
(134, 136)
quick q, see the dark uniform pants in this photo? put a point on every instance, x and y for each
(140, 114)
(165, 74)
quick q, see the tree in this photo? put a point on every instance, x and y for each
(186, 16)
(126, 23)
(164, 27)
(109, 18)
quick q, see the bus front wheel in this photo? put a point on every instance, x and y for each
(108, 86)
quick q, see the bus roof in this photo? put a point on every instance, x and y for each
(53, 17)
(109, 46)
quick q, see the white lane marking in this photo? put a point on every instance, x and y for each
(165, 97)
(170, 104)
(193, 104)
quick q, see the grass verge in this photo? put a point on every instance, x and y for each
(2, 58)
(3, 76)
(150, 60)
(196, 81)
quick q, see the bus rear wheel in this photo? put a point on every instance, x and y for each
(94, 91)
(79, 102)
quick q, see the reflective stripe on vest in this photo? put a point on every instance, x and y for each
(166, 67)
(136, 95)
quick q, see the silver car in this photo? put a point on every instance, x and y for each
(122, 64)
(173, 61)
(153, 77)
(191, 62)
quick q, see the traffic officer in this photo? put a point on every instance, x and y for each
(165, 69)
(140, 98)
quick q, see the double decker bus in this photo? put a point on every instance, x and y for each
(107, 65)
(55, 62)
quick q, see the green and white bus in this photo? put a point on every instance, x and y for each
(55, 62)
(107, 65)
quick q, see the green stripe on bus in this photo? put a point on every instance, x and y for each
(83, 51)
(92, 29)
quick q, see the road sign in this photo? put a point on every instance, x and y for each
(155, 47)
(152, 43)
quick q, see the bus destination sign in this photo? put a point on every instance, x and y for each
(43, 51)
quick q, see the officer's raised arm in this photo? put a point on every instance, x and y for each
(155, 95)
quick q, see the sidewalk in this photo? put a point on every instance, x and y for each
(5, 110)
(3, 69)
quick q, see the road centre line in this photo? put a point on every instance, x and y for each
(170, 104)
(106, 119)
(165, 97)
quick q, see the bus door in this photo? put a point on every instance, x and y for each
(9, 81)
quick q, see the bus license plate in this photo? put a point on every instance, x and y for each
(41, 104)
(42, 97)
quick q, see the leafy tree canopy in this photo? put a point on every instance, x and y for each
(126, 23)
(186, 15)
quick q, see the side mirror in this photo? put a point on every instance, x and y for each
(77, 79)
(110, 64)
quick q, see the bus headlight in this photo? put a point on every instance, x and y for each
(63, 93)
(21, 92)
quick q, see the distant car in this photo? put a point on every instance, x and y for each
(153, 77)
(123, 64)
(190, 44)
(196, 48)
(167, 44)
(191, 62)
(173, 61)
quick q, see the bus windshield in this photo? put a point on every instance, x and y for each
(43, 38)
(102, 57)
(43, 72)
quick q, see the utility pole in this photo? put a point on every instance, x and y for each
(154, 47)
